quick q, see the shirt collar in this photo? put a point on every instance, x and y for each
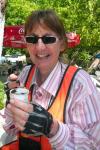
(52, 82)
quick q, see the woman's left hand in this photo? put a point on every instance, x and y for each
(20, 112)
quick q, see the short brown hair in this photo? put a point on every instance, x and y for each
(48, 18)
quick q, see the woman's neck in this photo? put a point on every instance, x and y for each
(41, 77)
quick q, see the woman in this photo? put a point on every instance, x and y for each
(64, 110)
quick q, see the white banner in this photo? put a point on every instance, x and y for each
(2, 21)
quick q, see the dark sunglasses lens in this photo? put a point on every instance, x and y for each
(49, 40)
(31, 39)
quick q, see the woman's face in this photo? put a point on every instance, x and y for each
(44, 56)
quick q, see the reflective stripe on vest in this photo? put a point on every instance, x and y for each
(60, 100)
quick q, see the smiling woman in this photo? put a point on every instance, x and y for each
(63, 108)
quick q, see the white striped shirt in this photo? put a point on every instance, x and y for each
(81, 130)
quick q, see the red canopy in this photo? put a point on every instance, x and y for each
(73, 39)
(14, 37)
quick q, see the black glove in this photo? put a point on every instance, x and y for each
(39, 122)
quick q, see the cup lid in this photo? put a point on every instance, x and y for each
(20, 91)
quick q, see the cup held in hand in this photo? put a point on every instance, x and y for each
(19, 93)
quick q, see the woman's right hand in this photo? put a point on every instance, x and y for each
(13, 82)
(20, 112)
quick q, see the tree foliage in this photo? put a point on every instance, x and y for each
(1, 95)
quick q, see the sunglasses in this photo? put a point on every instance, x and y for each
(45, 39)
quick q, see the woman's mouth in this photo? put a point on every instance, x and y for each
(42, 56)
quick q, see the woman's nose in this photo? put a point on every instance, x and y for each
(40, 44)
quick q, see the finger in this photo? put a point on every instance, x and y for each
(13, 77)
(19, 127)
(17, 112)
(13, 84)
(20, 121)
(27, 107)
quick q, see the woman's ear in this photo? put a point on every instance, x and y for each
(63, 46)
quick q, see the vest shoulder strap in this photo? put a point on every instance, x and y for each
(69, 77)
(62, 94)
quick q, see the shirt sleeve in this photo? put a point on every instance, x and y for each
(81, 129)
(8, 125)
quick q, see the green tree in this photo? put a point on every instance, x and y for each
(18, 10)
(1, 95)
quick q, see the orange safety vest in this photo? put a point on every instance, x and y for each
(57, 108)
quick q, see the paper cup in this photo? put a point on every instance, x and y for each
(19, 94)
